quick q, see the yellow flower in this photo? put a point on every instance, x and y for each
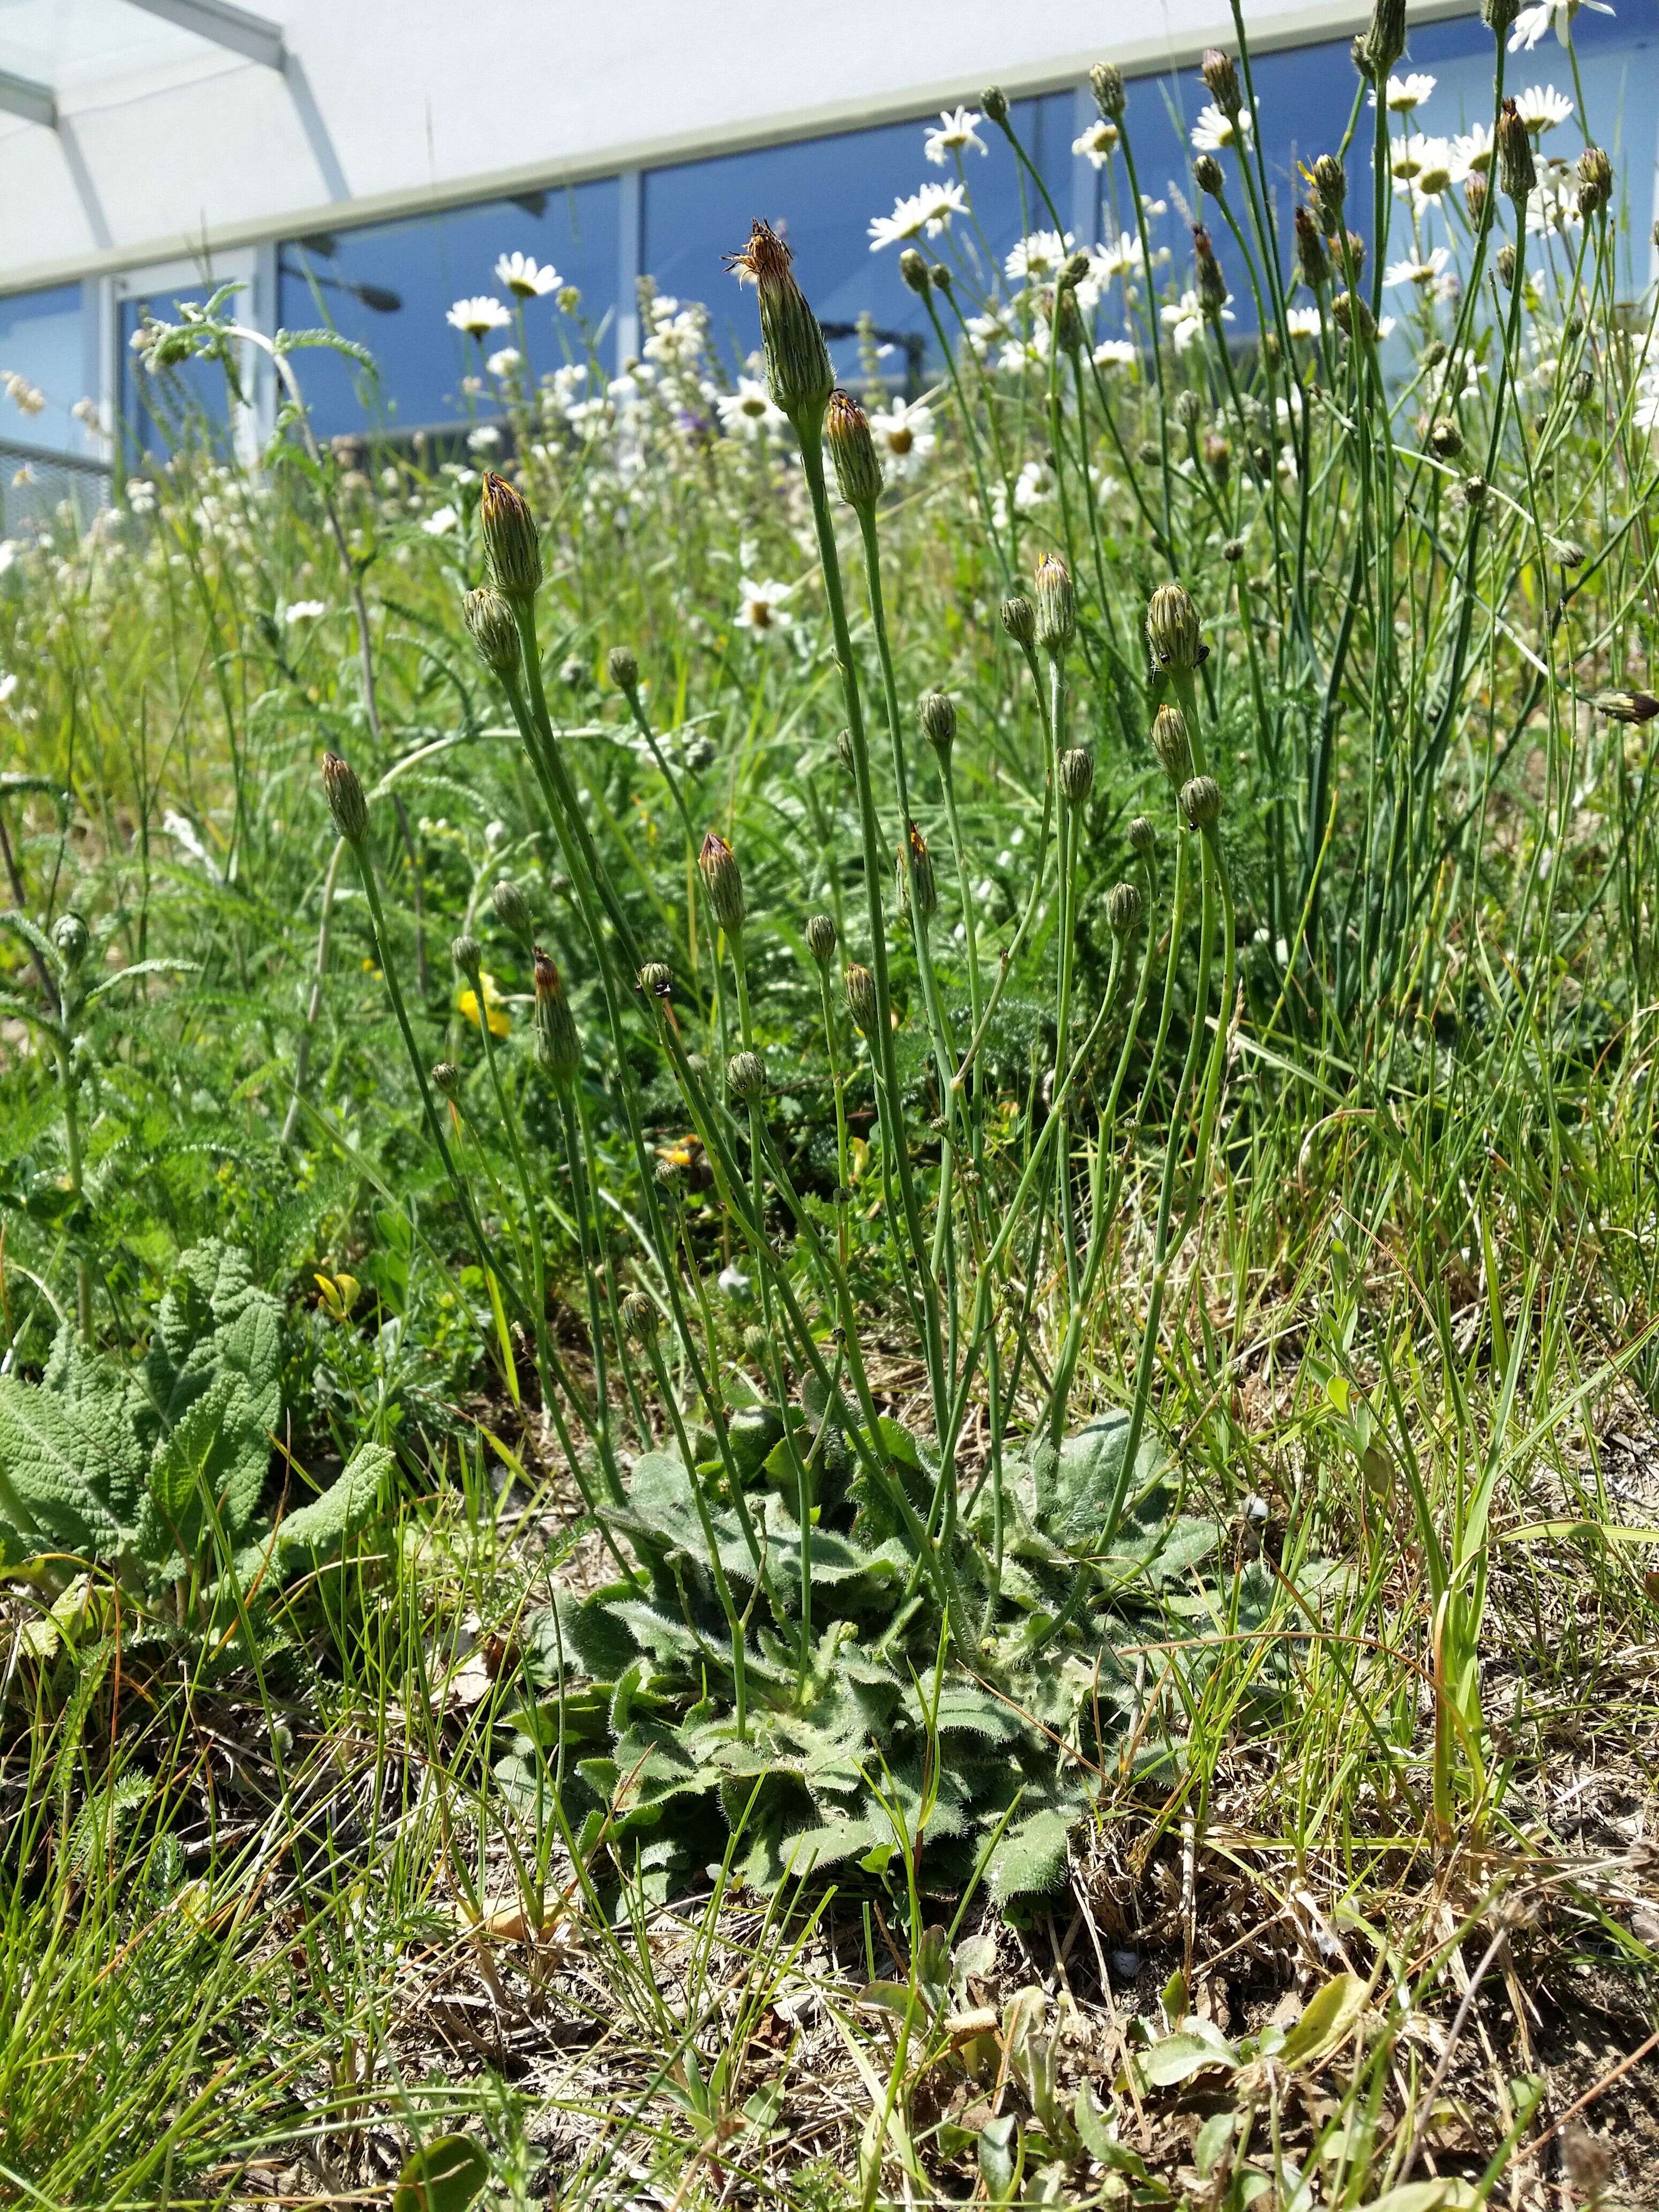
(495, 1006)
(338, 1293)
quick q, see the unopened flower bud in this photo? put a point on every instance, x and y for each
(1220, 75)
(1568, 552)
(1356, 251)
(656, 979)
(1517, 173)
(1359, 53)
(861, 998)
(994, 102)
(639, 1318)
(1313, 260)
(1385, 40)
(1580, 385)
(912, 268)
(1111, 94)
(1208, 176)
(1595, 180)
(1503, 266)
(1499, 15)
(820, 936)
(756, 1345)
(844, 752)
(1019, 619)
(1212, 285)
(1232, 551)
(1172, 630)
(939, 277)
(1171, 743)
(72, 939)
(1330, 190)
(745, 1076)
(723, 880)
(623, 669)
(1218, 456)
(1056, 605)
(1201, 802)
(1352, 316)
(918, 892)
(1626, 706)
(513, 910)
(853, 450)
(1445, 438)
(489, 624)
(1070, 336)
(1076, 774)
(468, 955)
(512, 549)
(1122, 909)
(558, 1049)
(798, 375)
(345, 799)
(1143, 834)
(1474, 490)
(1475, 197)
(446, 1079)
(937, 712)
(1188, 409)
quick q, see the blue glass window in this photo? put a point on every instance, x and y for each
(41, 341)
(390, 286)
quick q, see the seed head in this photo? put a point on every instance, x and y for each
(1385, 41)
(490, 623)
(1172, 630)
(1220, 75)
(1201, 802)
(1076, 774)
(861, 998)
(1143, 835)
(1626, 706)
(1019, 619)
(821, 938)
(446, 1079)
(623, 669)
(994, 102)
(1111, 94)
(1212, 285)
(937, 712)
(1330, 190)
(724, 882)
(1172, 745)
(558, 1048)
(853, 450)
(918, 883)
(72, 939)
(1207, 175)
(745, 1076)
(639, 1318)
(345, 799)
(1595, 180)
(798, 375)
(513, 910)
(1517, 173)
(1122, 909)
(512, 549)
(912, 268)
(656, 979)
(1056, 605)
(468, 955)
(1313, 259)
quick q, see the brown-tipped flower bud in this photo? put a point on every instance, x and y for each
(1475, 197)
(639, 1318)
(937, 712)
(656, 979)
(1385, 40)
(1352, 316)
(1122, 909)
(861, 998)
(798, 375)
(1172, 745)
(1517, 173)
(513, 910)
(1076, 774)
(1111, 94)
(723, 880)
(1474, 490)
(1201, 802)
(853, 450)
(1057, 604)
(1220, 75)
(558, 1049)
(1217, 457)
(912, 268)
(1208, 176)
(1313, 259)
(745, 1076)
(1211, 284)
(994, 101)
(917, 889)
(468, 955)
(1356, 251)
(1626, 706)
(1359, 54)
(1499, 15)
(512, 548)
(1503, 266)
(1070, 336)
(489, 624)
(1445, 438)
(446, 1079)
(1172, 630)
(1143, 835)
(821, 938)
(345, 799)
(1018, 618)
(623, 669)
(1595, 180)
(1330, 190)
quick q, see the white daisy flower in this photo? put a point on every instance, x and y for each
(524, 279)
(1096, 142)
(302, 610)
(676, 340)
(1541, 107)
(1406, 93)
(1554, 205)
(904, 435)
(1039, 254)
(748, 410)
(504, 361)
(1115, 353)
(1213, 130)
(1532, 23)
(484, 439)
(929, 209)
(1185, 320)
(954, 133)
(760, 607)
(440, 521)
(478, 317)
(1470, 152)
(983, 332)
(1125, 257)
(1418, 272)
(1434, 171)
(1302, 322)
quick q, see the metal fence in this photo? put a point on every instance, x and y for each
(35, 485)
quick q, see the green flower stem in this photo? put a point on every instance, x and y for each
(838, 1085)
(592, 1270)
(970, 431)
(1167, 537)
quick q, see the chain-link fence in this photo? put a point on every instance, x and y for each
(33, 486)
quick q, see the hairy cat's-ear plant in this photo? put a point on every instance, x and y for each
(512, 543)
(513, 912)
